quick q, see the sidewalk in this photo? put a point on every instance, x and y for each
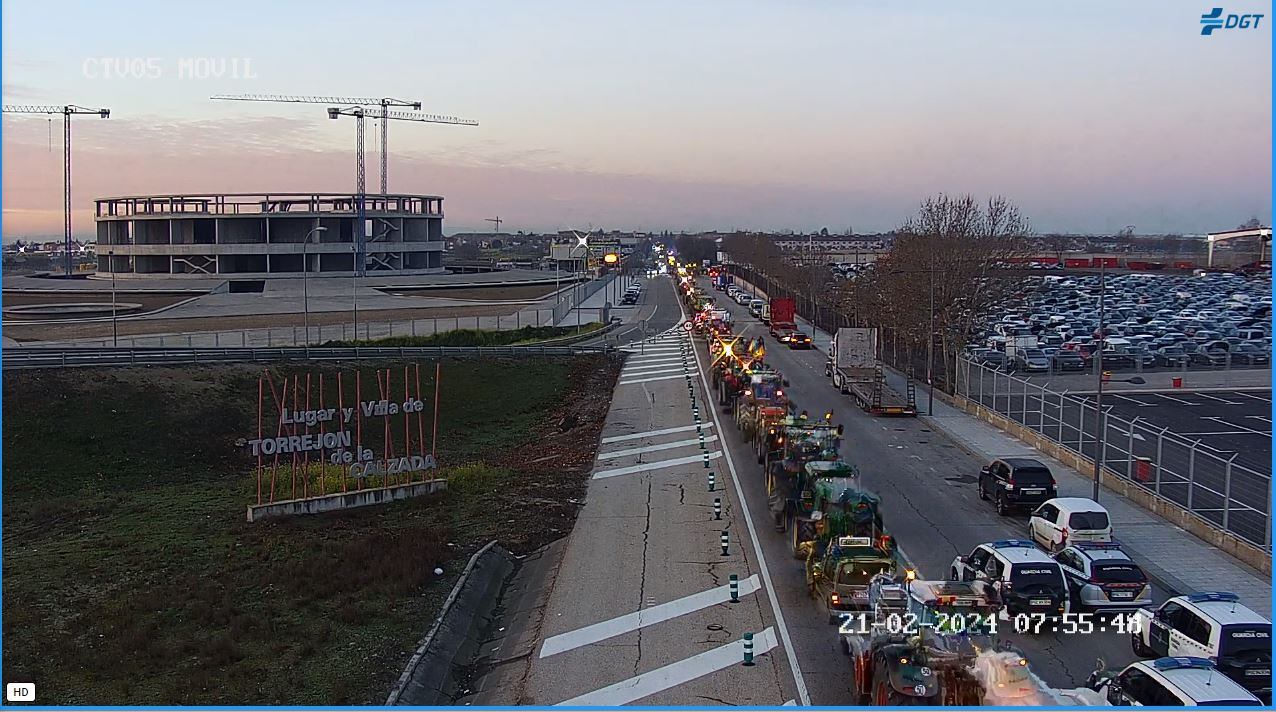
(1176, 558)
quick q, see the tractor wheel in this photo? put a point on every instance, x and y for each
(797, 554)
(859, 664)
(885, 695)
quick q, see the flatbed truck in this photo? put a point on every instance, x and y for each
(855, 370)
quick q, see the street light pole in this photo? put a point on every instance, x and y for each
(930, 346)
(1098, 397)
(115, 332)
(305, 279)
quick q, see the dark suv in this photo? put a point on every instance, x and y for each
(1016, 483)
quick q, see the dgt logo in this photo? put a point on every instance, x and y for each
(1214, 20)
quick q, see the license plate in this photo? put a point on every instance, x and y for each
(1123, 594)
(1038, 490)
(1256, 673)
(1039, 602)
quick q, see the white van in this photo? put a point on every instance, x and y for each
(1067, 520)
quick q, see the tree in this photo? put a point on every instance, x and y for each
(824, 232)
(1251, 224)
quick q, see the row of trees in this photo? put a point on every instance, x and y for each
(939, 272)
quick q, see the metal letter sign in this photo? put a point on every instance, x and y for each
(328, 437)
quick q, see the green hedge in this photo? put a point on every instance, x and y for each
(475, 337)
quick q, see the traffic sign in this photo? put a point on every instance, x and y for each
(686, 325)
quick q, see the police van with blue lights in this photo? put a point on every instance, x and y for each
(1028, 580)
(1171, 682)
(1214, 626)
(1102, 577)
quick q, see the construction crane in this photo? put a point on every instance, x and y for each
(67, 111)
(497, 220)
(386, 115)
(384, 103)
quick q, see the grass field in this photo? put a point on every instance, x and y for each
(477, 337)
(131, 577)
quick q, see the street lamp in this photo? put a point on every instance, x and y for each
(305, 278)
(115, 332)
(1101, 421)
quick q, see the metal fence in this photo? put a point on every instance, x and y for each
(1229, 489)
(319, 334)
(81, 357)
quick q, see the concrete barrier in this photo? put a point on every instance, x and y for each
(344, 500)
(457, 632)
(1116, 482)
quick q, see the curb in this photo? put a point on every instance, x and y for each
(421, 650)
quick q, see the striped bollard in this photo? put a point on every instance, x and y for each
(706, 459)
(725, 541)
(735, 588)
(710, 481)
(748, 649)
(717, 508)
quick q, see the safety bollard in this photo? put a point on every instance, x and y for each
(735, 588)
(748, 649)
(706, 459)
(717, 508)
(711, 483)
(724, 542)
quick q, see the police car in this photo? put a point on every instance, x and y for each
(1101, 577)
(1029, 580)
(1212, 625)
(1172, 682)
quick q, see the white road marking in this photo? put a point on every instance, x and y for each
(654, 371)
(654, 448)
(1238, 426)
(1251, 395)
(654, 350)
(645, 617)
(658, 465)
(683, 671)
(665, 431)
(1222, 432)
(1220, 400)
(653, 361)
(798, 680)
(1259, 417)
(790, 703)
(1176, 400)
(650, 379)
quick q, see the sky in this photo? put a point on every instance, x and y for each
(688, 115)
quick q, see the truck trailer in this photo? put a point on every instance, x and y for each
(855, 370)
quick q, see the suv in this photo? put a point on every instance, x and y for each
(1062, 521)
(1102, 577)
(1171, 682)
(1028, 579)
(1014, 482)
(1210, 625)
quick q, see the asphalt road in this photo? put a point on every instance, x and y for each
(1185, 437)
(656, 310)
(927, 485)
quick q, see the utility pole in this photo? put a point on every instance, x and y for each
(67, 112)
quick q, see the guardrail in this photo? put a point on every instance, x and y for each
(27, 357)
(1229, 490)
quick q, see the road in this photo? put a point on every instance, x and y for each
(1186, 438)
(927, 485)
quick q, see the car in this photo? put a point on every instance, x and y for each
(1213, 625)
(1067, 360)
(1250, 354)
(742, 298)
(1031, 360)
(992, 358)
(755, 307)
(1202, 357)
(1171, 682)
(1102, 577)
(798, 340)
(1029, 581)
(1065, 520)
(1173, 356)
(629, 298)
(1015, 483)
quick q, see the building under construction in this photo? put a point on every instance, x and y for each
(268, 235)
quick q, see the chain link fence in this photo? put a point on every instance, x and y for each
(1231, 490)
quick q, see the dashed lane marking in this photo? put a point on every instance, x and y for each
(683, 671)
(650, 379)
(645, 617)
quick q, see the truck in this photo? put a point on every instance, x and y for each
(781, 315)
(1015, 346)
(722, 280)
(855, 370)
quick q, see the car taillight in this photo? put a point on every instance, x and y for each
(835, 599)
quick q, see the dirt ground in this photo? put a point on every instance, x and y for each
(514, 292)
(99, 330)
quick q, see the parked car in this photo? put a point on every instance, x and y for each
(1172, 356)
(1067, 361)
(1065, 520)
(1030, 581)
(1031, 360)
(1250, 354)
(1170, 682)
(1016, 483)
